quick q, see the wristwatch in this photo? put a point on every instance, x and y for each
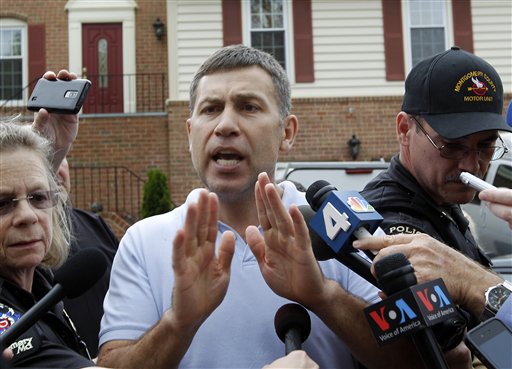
(495, 296)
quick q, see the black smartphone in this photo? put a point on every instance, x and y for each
(491, 342)
(59, 96)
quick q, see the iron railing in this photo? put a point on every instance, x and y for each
(108, 188)
(140, 93)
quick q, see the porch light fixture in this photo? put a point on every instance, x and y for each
(354, 144)
(159, 29)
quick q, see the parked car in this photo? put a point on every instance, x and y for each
(503, 265)
(345, 175)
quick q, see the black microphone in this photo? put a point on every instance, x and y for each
(75, 277)
(395, 274)
(293, 325)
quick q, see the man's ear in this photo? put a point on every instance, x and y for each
(403, 127)
(291, 127)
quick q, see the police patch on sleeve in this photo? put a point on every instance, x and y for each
(24, 345)
(402, 228)
(7, 317)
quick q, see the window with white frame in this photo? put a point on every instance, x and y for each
(427, 22)
(268, 23)
(13, 69)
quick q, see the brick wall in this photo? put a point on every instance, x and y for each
(325, 126)
(137, 143)
(151, 53)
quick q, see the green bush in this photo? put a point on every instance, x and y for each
(156, 198)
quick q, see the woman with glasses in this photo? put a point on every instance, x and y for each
(34, 237)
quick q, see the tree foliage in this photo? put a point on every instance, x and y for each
(156, 198)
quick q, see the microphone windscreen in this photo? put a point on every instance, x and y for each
(316, 192)
(291, 316)
(390, 263)
(394, 273)
(81, 271)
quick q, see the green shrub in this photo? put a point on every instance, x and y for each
(156, 198)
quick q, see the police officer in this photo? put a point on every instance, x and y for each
(450, 122)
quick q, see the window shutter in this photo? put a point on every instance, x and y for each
(232, 22)
(393, 40)
(462, 25)
(303, 41)
(36, 52)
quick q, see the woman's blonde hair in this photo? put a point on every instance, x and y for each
(15, 136)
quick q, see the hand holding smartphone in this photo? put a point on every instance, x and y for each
(474, 182)
(59, 96)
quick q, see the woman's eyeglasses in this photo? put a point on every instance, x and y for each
(37, 200)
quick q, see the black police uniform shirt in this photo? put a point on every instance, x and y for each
(51, 342)
(406, 208)
(86, 310)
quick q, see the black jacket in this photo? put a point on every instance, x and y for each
(86, 311)
(51, 342)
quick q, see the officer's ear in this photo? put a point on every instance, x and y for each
(404, 127)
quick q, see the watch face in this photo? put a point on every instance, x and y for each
(497, 297)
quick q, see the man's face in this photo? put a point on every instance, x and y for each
(439, 176)
(235, 130)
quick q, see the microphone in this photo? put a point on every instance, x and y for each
(293, 325)
(352, 260)
(396, 276)
(340, 217)
(75, 277)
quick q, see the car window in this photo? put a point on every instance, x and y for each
(503, 176)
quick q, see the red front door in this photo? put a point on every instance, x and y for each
(103, 66)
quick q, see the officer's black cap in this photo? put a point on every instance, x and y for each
(457, 93)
